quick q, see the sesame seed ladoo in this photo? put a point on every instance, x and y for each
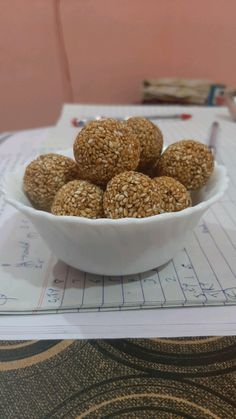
(151, 141)
(45, 175)
(79, 198)
(105, 148)
(131, 194)
(107, 153)
(174, 195)
(188, 161)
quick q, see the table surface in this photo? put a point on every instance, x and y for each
(126, 378)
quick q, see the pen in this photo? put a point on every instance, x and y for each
(76, 122)
(213, 136)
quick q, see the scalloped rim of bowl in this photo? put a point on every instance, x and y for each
(27, 209)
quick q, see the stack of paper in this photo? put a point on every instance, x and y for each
(174, 90)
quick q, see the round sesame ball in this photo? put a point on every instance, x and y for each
(79, 198)
(45, 175)
(174, 195)
(150, 138)
(131, 194)
(105, 148)
(188, 161)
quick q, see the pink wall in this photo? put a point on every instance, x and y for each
(110, 46)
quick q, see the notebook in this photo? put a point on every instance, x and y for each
(203, 273)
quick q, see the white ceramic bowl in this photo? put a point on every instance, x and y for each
(116, 247)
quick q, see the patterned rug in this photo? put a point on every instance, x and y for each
(128, 378)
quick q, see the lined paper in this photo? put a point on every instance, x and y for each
(203, 273)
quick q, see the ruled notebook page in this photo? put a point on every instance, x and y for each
(202, 273)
